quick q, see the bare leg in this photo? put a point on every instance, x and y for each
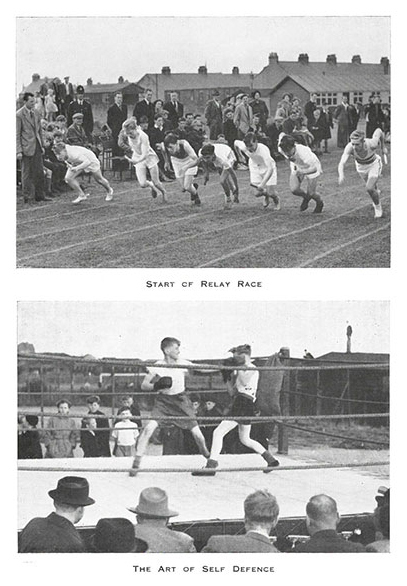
(98, 177)
(200, 441)
(312, 193)
(155, 178)
(217, 440)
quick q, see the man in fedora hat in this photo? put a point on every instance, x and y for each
(116, 535)
(56, 533)
(152, 519)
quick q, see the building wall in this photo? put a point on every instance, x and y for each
(289, 86)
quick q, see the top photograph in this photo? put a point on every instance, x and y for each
(222, 142)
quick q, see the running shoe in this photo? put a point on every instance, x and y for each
(304, 205)
(109, 196)
(236, 198)
(319, 207)
(266, 201)
(80, 198)
(378, 212)
(197, 200)
(153, 193)
(276, 201)
(228, 204)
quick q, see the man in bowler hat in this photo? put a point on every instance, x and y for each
(153, 515)
(56, 533)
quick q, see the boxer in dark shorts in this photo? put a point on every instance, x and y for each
(171, 402)
(244, 384)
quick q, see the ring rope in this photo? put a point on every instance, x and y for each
(235, 469)
(354, 439)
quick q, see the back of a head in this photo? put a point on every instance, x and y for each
(261, 509)
(322, 512)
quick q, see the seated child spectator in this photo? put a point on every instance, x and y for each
(89, 440)
(29, 447)
(125, 434)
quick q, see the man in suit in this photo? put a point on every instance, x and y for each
(374, 117)
(145, 107)
(153, 515)
(322, 521)
(347, 119)
(243, 117)
(84, 107)
(66, 94)
(175, 109)
(30, 150)
(309, 108)
(260, 517)
(213, 115)
(56, 533)
(116, 115)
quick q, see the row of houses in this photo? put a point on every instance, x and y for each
(329, 79)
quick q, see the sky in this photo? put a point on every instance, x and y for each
(104, 48)
(206, 329)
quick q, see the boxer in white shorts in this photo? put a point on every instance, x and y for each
(143, 158)
(184, 162)
(262, 167)
(368, 163)
(304, 164)
(81, 160)
(222, 158)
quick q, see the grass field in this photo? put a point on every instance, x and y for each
(138, 231)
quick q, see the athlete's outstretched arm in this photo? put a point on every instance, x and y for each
(342, 163)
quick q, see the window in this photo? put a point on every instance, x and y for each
(330, 98)
(358, 97)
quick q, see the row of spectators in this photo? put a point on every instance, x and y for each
(58, 114)
(99, 436)
(57, 533)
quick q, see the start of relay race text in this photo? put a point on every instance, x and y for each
(204, 284)
(204, 569)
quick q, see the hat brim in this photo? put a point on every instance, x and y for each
(139, 511)
(140, 546)
(54, 494)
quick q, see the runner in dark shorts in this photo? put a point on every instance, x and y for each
(172, 401)
(244, 384)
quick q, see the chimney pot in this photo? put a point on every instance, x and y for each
(202, 70)
(235, 70)
(356, 59)
(331, 59)
(273, 58)
(386, 64)
(303, 58)
(166, 70)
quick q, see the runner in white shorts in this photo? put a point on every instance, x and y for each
(368, 163)
(81, 160)
(262, 167)
(143, 158)
(184, 162)
(304, 164)
(222, 158)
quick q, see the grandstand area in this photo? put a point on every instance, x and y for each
(138, 231)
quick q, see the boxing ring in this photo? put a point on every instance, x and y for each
(352, 484)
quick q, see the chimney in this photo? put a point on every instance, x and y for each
(166, 70)
(357, 59)
(202, 70)
(303, 58)
(121, 79)
(348, 339)
(386, 64)
(89, 81)
(273, 58)
(235, 71)
(35, 77)
(331, 59)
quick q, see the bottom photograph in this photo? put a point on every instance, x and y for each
(203, 427)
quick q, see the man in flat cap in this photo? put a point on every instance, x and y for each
(56, 533)
(242, 385)
(83, 106)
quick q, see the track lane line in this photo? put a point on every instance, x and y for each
(344, 245)
(281, 236)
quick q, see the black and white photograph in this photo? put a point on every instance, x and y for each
(197, 142)
(203, 427)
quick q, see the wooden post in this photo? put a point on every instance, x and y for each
(113, 391)
(319, 400)
(42, 395)
(284, 403)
